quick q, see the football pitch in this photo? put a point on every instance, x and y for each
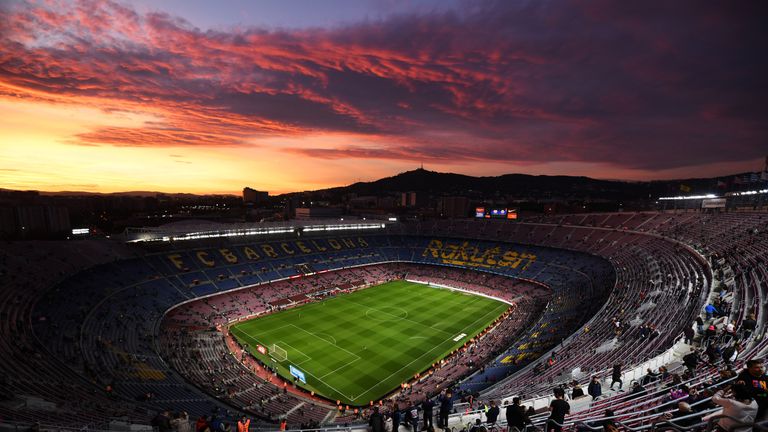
(359, 347)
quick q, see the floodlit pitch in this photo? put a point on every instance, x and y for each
(359, 347)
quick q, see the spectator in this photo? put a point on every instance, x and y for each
(162, 421)
(516, 415)
(740, 411)
(492, 414)
(201, 425)
(577, 392)
(558, 410)
(243, 424)
(689, 333)
(616, 376)
(412, 417)
(700, 325)
(684, 416)
(376, 421)
(396, 417)
(180, 422)
(649, 377)
(748, 326)
(427, 408)
(609, 424)
(755, 378)
(711, 311)
(446, 406)
(595, 389)
(691, 360)
(478, 426)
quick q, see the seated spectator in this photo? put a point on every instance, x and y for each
(478, 427)
(609, 424)
(684, 416)
(649, 377)
(577, 392)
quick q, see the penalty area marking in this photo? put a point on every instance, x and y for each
(326, 334)
(325, 340)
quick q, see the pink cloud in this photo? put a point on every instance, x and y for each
(635, 85)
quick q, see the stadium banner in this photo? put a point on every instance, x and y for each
(713, 203)
(297, 373)
(261, 349)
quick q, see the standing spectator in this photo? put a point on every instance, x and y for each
(710, 333)
(376, 421)
(216, 424)
(492, 414)
(711, 311)
(446, 406)
(595, 389)
(748, 326)
(731, 353)
(516, 415)
(741, 411)
(201, 425)
(558, 410)
(162, 421)
(691, 360)
(755, 378)
(689, 333)
(616, 376)
(396, 417)
(412, 417)
(427, 408)
(243, 424)
(181, 422)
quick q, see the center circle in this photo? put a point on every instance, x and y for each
(387, 313)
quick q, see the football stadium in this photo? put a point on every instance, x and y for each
(383, 216)
(317, 325)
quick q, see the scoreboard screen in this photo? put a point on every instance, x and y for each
(495, 213)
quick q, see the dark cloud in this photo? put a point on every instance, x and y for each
(651, 85)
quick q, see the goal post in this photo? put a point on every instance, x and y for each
(278, 353)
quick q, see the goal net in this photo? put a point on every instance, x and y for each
(278, 353)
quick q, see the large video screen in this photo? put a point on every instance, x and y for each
(495, 213)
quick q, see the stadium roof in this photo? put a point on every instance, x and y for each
(195, 230)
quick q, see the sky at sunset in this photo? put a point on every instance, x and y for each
(211, 96)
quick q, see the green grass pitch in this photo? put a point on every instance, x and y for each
(361, 346)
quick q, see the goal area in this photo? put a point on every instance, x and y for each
(278, 353)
